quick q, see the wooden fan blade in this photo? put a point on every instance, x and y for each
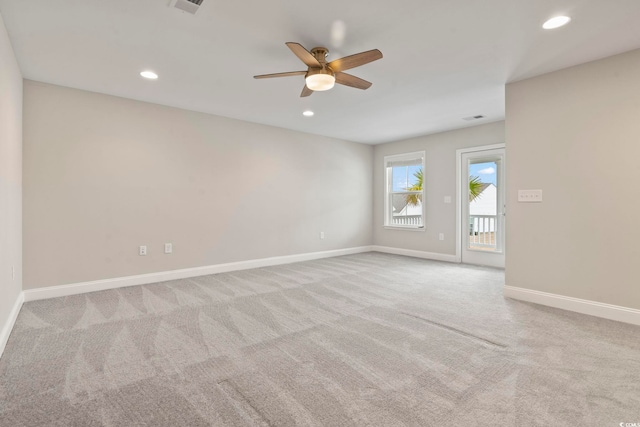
(353, 81)
(304, 55)
(305, 91)
(287, 74)
(356, 60)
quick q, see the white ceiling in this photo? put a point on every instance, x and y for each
(443, 60)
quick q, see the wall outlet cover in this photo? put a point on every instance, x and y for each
(529, 196)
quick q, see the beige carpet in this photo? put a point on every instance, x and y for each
(361, 340)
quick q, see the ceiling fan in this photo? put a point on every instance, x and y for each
(322, 75)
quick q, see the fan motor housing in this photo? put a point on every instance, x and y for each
(320, 53)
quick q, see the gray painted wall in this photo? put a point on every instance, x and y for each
(103, 175)
(10, 177)
(575, 134)
(440, 181)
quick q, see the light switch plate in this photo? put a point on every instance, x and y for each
(530, 196)
(447, 199)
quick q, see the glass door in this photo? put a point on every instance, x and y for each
(483, 213)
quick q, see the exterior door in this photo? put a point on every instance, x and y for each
(483, 207)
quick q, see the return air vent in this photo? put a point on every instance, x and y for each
(470, 118)
(189, 6)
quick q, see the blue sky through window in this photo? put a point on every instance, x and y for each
(403, 177)
(486, 171)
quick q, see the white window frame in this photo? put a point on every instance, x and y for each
(388, 187)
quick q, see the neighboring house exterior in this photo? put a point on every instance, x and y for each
(410, 210)
(405, 213)
(485, 205)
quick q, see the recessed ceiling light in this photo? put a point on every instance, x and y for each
(149, 75)
(556, 22)
(308, 113)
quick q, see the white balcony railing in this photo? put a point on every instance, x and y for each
(407, 220)
(482, 228)
(482, 231)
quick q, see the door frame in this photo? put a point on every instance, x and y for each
(459, 153)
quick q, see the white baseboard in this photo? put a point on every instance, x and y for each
(8, 326)
(416, 254)
(593, 308)
(143, 279)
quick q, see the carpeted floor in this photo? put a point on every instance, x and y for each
(360, 340)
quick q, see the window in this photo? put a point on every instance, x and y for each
(404, 191)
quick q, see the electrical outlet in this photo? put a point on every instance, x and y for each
(322, 235)
(168, 248)
(441, 236)
(142, 251)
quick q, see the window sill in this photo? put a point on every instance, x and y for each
(396, 227)
(485, 251)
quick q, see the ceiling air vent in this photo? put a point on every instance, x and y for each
(470, 118)
(190, 6)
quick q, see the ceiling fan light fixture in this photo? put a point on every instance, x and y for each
(319, 82)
